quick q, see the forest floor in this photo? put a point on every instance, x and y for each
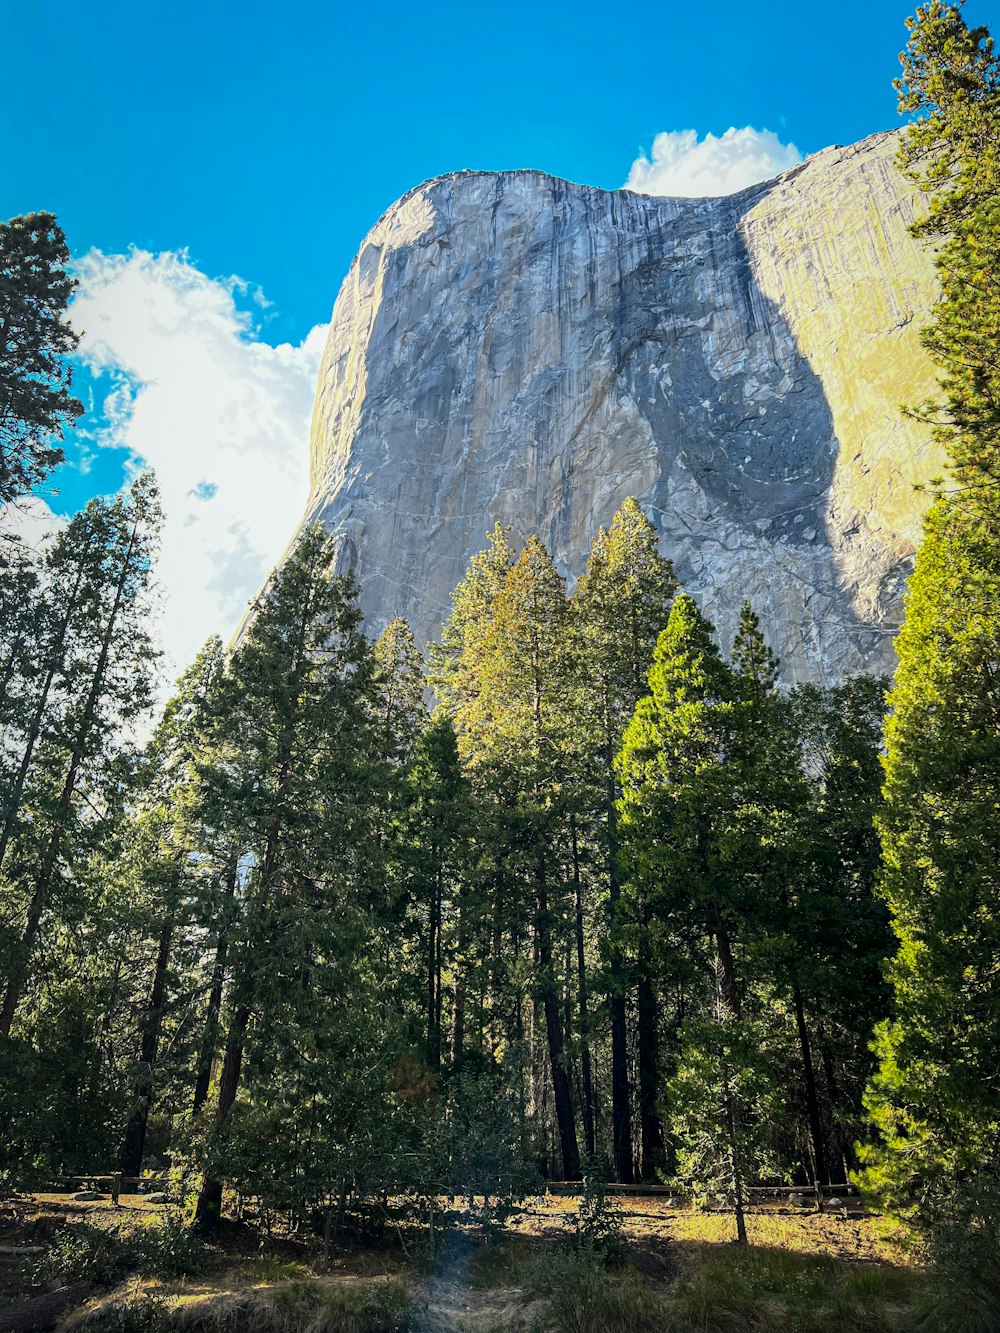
(804, 1271)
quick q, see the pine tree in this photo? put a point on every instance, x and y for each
(402, 715)
(674, 808)
(829, 938)
(621, 604)
(70, 766)
(436, 833)
(168, 857)
(933, 1100)
(506, 681)
(36, 405)
(296, 709)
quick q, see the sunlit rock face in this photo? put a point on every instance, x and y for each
(511, 347)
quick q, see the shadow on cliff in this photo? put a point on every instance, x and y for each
(741, 447)
(746, 447)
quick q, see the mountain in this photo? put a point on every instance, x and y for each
(512, 347)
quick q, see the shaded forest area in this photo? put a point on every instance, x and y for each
(618, 905)
(595, 870)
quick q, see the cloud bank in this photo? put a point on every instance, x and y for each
(194, 392)
(684, 166)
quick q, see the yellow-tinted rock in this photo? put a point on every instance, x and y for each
(510, 347)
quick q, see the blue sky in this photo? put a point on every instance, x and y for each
(215, 167)
(267, 138)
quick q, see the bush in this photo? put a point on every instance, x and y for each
(83, 1253)
(583, 1297)
(170, 1249)
(963, 1293)
(598, 1226)
(366, 1307)
(133, 1314)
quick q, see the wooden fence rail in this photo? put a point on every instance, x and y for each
(113, 1182)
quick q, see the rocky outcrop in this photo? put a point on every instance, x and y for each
(511, 347)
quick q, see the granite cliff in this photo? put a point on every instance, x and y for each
(510, 346)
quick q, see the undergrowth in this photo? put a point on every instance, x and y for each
(300, 1305)
(746, 1291)
(584, 1295)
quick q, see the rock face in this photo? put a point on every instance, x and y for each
(511, 347)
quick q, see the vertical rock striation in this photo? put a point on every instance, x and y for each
(511, 347)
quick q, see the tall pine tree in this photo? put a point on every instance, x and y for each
(934, 1100)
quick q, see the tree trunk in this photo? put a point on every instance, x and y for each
(209, 1209)
(730, 992)
(561, 1091)
(583, 1001)
(621, 1108)
(651, 1130)
(40, 1313)
(433, 1036)
(19, 968)
(739, 1199)
(458, 999)
(135, 1131)
(211, 1032)
(812, 1100)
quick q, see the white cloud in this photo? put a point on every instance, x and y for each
(221, 415)
(684, 166)
(30, 521)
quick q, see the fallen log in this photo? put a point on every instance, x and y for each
(40, 1313)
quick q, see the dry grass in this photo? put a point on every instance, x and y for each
(805, 1272)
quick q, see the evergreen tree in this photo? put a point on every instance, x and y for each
(75, 756)
(36, 405)
(827, 945)
(621, 604)
(506, 681)
(437, 836)
(674, 816)
(933, 1100)
(168, 856)
(305, 791)
(402, 715)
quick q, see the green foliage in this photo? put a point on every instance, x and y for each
(82, 1252)
(933, 1101)
(582, 1296)
(77, 682)
(137, 1312)
(725, 1099)
(36, 405)
(951, 80)
(598, 1227)
(170, 1248)
(310, 898)
(962, 1248)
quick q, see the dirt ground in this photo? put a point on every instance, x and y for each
(467, 1286)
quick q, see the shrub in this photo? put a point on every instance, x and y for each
(598, 1226)
(134, 1314)
(170, 1249)
(331, 1307)
(963, 1294)
(583, 1297)
(83, 1253)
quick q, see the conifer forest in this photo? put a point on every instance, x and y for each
(355, 938)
